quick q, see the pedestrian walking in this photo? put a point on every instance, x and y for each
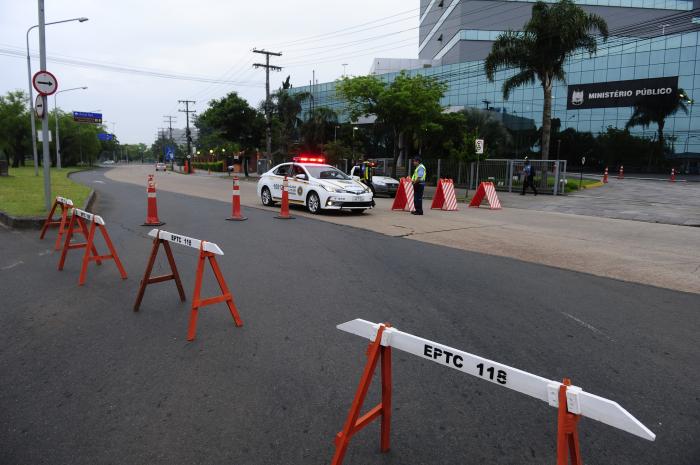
(528, 177)
(418, 178)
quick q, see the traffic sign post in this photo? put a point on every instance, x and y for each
(479, 146)
(45, 83)
(571, 401)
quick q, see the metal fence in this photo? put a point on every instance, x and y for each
(507, 175)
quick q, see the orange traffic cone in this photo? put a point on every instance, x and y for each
(673, 175)
(152, 212)
(605, 176)
(284, 210)
(621, 174)
(236, 202)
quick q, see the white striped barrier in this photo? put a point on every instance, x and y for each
(572, 401)
(66, 205)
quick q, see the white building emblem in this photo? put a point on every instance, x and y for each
(577, 97)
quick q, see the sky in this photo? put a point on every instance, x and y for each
(197, 41)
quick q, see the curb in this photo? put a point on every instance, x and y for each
(36, 222)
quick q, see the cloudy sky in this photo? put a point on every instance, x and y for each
(126, 43)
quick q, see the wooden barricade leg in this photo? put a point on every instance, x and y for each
(66, 245)
(354, 423)
(567, 431)
(61, 226)
(112, 251)
(89, 247)
(49, 220)
(197, 303)
(157, 279)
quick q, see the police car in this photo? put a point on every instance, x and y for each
(315, 185)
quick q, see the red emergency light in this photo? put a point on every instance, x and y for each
(309, 159)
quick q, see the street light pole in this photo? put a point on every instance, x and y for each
(55, 110)
(31, 88)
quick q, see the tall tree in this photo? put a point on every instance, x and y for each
(655, 110)
(319, 127)
(287, 106)
(230, 120)
(553, 33)
(15, 134)
(409, 103)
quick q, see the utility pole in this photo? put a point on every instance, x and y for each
(161, 138)
(45, 117)
(170, 124)
(187, 112)
(268, 106)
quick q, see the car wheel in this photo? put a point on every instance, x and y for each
(266, 197)
(313, 203)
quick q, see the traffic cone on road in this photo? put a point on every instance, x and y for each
(152, 207)
(605, 176)
(673, 175)
(236, 202)
(621, 174)
(284, 210)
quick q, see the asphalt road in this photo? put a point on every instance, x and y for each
(87, 381)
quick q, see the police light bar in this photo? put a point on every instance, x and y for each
(309, 159)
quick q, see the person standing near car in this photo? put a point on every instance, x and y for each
(418, 179)
(528, 177)
(366, 175)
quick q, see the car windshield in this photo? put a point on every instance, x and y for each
(325, 172)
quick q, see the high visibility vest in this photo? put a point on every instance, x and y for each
(415, 177)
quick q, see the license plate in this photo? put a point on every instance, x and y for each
(357, 199)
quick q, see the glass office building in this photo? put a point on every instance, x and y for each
(672, 54)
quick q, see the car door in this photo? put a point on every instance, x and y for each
(277, 179)
(298, 188)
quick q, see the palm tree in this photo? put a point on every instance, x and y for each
(318, 128)
(553, 33)
(656, 110)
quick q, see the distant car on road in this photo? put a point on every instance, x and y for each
(315, 185)
(108, 162)
(382, 184)
(161, 167)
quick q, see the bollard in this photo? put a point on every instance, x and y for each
(236, 202)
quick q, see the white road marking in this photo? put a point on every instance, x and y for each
(587, 326)
(98, 181)
(12, 266)
(45, 252)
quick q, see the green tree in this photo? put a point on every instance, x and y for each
(408, 104)
(553, 33)
(655, 110)
(319, 127)
(286, 108)
(230, 120)
(15, 134)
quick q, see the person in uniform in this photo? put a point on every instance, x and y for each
(418, 178)
(528, 177)
(366, 175)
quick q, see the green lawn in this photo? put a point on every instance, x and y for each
(22, 193)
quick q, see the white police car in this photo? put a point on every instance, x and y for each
(315, 185)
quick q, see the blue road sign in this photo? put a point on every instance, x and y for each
(86, 117)
(169, 153)
(104, 136)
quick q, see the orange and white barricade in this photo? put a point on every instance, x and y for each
(79, 222)
(207, 251)
(486, 190)
(572, 402)
(445, 197)
(66, 205)
(404, 196)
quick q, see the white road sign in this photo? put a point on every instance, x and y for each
(88, 216)
(64, 201)
(39, 106)
(45, 83)
(479, 146)
(578, 401)
(184, 240)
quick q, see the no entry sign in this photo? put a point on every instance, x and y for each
(45, 83)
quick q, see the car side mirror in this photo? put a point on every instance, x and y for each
(301, 176)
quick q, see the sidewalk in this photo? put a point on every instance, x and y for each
(654, 254)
